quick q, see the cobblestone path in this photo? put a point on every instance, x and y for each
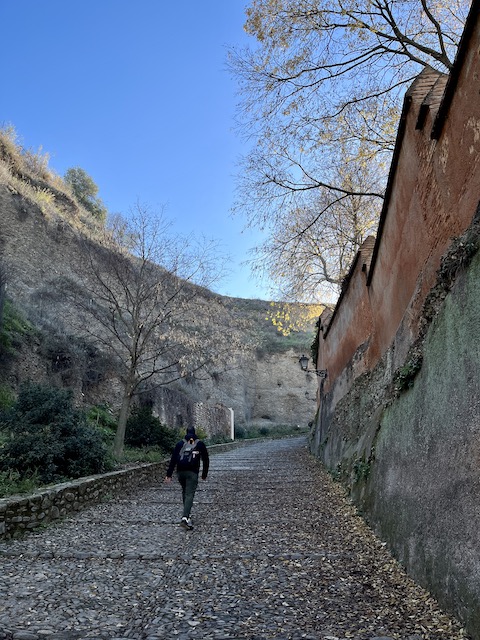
(277, 552)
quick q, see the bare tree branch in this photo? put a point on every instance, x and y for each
(324, 84)
(152, 317)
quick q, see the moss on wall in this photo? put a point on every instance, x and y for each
(424, 494)
(411, 459)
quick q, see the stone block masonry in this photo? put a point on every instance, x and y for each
(21, 514)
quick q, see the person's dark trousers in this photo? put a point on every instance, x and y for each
(189, 482)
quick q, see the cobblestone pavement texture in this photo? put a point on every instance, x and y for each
(276, 552)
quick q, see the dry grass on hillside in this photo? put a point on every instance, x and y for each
(26, 172)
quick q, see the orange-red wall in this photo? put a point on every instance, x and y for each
(434, 189)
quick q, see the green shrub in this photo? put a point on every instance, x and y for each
(7, 398)
(240, 433)
(404, 377)
(101, 416)
(200, 431)
(218, 438)
(361, 470)
(85, 191)
(49, 437)
(143, 455)
(11, 482)
(275, 431)
(146, 430)
(13, 328)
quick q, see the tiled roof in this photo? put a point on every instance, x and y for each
(427, 89)
(366, 251)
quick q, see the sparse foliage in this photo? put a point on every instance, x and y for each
(309, 250)
(287, 317)
(25, 162)
(14, 328)
(27, 173)
(321, 91)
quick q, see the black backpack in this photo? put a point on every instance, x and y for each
(187, 452)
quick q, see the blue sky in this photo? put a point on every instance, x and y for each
(137, 94)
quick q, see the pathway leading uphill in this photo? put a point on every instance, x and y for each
(277, 552)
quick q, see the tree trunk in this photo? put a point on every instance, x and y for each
(122, 425)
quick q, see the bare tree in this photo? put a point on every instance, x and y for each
(141, 299)
(310, 248)
(325, 80)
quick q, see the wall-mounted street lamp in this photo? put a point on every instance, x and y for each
(321, 373)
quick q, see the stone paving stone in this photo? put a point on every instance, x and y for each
(277, 552)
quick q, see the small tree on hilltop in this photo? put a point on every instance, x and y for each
(85, 191)
(157, 322)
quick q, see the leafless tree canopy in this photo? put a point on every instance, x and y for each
(140, 297)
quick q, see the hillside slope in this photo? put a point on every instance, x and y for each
(41, 233)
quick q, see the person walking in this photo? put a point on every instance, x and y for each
(186, 457)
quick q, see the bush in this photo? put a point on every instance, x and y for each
(275, 431)
(240, 433)
(145, 430)
(49, 437)
(102, 417)
(218, 438)
(11, 482)
(13, 328)
(7, 398)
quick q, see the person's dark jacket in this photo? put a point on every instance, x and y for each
(194, 465)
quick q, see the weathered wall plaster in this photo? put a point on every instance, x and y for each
(398, 420)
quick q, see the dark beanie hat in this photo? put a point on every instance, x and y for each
(191, 432)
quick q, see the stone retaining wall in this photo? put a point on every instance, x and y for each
(20, 514)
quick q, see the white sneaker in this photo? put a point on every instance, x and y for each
(186, 523)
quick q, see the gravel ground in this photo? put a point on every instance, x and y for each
(276, 552)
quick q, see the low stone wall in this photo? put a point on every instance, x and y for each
(20, 514)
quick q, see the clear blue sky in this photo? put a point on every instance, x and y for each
(137, 94)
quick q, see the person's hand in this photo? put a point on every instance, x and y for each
(167, 479)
